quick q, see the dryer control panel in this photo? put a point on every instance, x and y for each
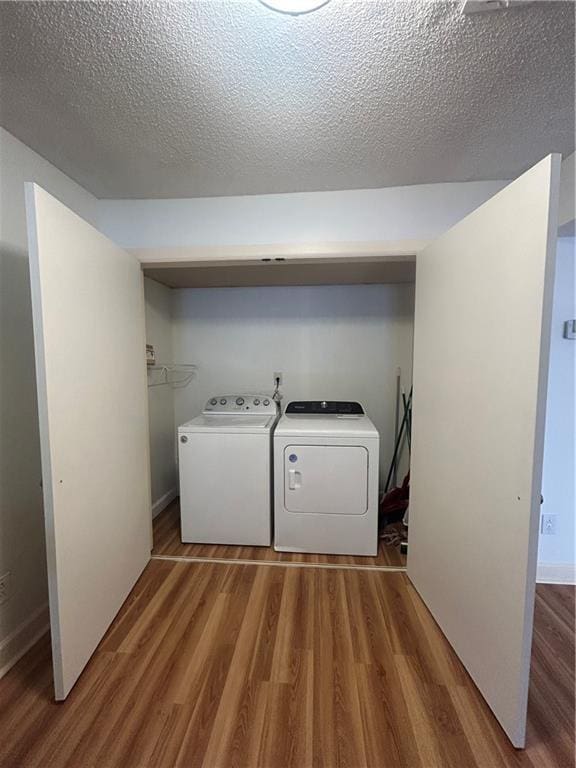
(324, 407)
(241, 403)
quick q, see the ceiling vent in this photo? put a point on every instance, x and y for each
(484, 6)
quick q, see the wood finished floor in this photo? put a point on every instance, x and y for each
(238, 666)
(167, 542)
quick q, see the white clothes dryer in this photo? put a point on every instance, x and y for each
(326, 466)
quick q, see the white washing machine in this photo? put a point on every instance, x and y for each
(326, 479)
(225, 457)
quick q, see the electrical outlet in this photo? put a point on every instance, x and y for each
(4, 587)
(278, 377)
(548, 525)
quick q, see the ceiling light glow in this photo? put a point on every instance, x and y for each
(294, 7)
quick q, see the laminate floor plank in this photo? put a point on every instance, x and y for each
(212, 665)
(167, 542)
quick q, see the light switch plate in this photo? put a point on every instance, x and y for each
(570, 329)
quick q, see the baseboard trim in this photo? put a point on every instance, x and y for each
(15, 645)
(556, 573)
(163, 502)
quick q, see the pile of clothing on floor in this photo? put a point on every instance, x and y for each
(394, 509)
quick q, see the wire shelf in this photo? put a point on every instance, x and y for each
(188, 371)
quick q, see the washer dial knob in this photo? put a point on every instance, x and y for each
(256, 401)
(223, 401)
(213, 401)
(266, 402)
(239, 401)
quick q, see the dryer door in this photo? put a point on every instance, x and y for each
(326, 479)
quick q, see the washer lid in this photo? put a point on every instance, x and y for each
(347, 426)
(229, 423)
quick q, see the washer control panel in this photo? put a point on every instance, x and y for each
(240, 404)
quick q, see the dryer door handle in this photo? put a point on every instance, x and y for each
(294, 479)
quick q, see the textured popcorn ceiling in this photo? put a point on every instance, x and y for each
(219, 97)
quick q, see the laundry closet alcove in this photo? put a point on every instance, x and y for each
(482, 321)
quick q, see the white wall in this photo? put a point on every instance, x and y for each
(333, 342)
(22, 550)
(556, 554)
(417, 212)
(160, 398)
